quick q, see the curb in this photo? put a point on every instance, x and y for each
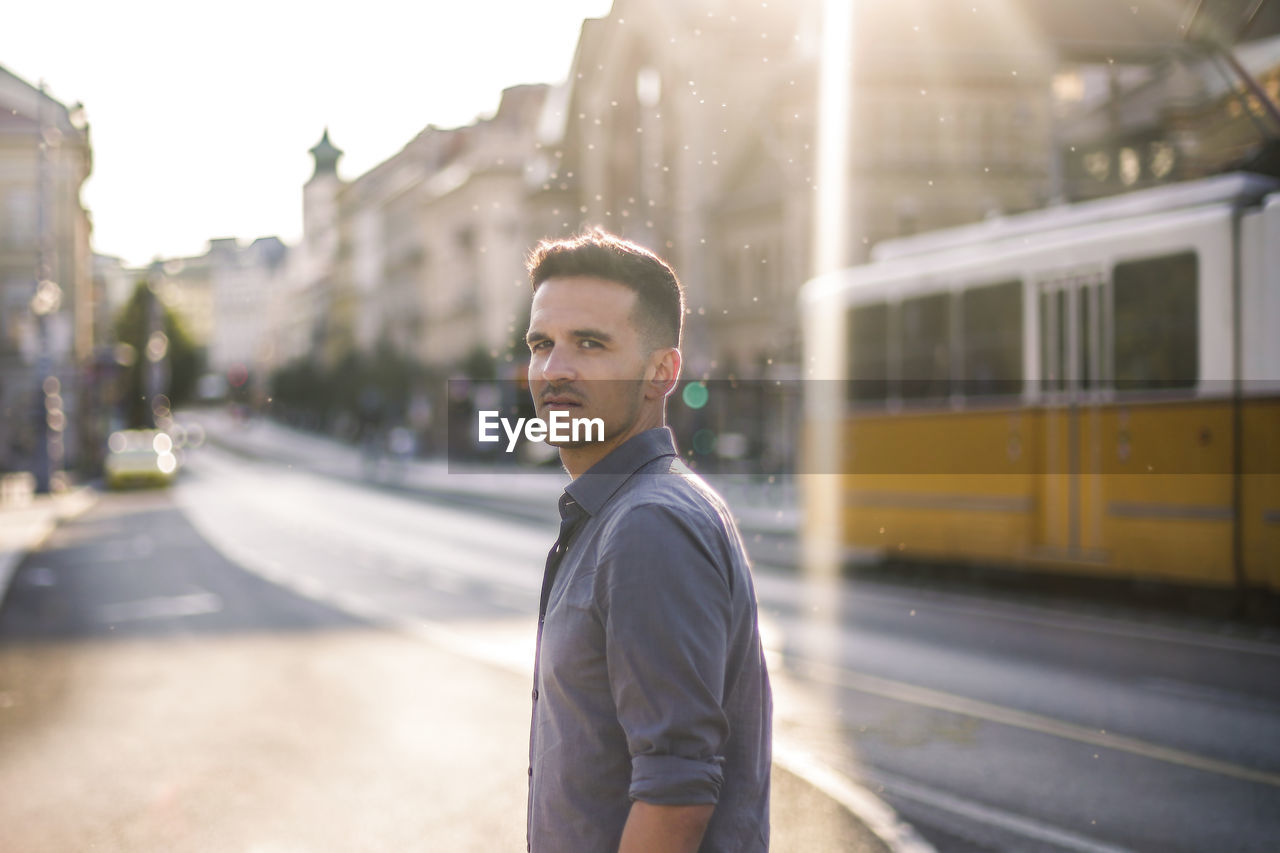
(874, 813)
(40, 526)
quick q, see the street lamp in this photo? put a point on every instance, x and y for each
(47, 299)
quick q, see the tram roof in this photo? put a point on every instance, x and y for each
(1232, 189)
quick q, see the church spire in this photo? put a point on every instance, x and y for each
(326, 155)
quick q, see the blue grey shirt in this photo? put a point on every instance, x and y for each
(649, 681)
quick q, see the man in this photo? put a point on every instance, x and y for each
(652, 713)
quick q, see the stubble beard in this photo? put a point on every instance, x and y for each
(610, 434)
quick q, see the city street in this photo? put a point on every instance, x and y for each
(168, 688)
(988, 725)
(155, 696)
(969, 311)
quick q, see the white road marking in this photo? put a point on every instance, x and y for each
(1008, 821)
(271, 570)
(357, 605)
(308, 586)
(778, 584)
(942, 701)
(161, 607)
(878, 815)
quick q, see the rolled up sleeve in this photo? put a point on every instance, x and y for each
(664, 602)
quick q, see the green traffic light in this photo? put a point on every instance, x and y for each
(695, 395)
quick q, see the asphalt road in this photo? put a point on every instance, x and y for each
(992, 727)
(988, 725)
(156, 695)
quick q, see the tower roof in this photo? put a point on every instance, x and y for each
(326, 155)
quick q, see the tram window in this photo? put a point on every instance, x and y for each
(1091, 336)
(869, 353)
(1085, 337)
(1156, 322)
(1054, 340)
(991, 334)
(923, 329)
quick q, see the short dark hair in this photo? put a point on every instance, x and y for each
(659, 314)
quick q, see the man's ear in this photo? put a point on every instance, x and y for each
(664, 371)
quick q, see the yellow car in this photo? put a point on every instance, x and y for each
(140, 457)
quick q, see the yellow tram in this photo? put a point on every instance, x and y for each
(1091, 389)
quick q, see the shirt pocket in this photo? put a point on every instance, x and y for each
(573, 658)
(574, 588)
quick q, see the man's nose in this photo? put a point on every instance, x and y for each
(559, 366)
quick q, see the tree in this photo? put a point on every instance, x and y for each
(171, 352)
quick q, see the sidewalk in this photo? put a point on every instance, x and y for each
(24, 528)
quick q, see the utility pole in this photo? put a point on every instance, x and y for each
(155, 380)
(50, 420)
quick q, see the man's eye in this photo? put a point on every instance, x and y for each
(537, 345)
(589, 344)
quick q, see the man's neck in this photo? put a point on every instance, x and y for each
(578, 460)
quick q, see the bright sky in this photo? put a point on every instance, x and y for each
(201, 114)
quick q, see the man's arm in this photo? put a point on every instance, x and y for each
(665, 606)
(664, 829)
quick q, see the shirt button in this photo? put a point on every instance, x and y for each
(530, 771)
(535, 694)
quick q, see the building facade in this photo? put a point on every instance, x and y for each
(46, 283)
(1178, 116)
(691, 127)
(423, 254)
(245, 280)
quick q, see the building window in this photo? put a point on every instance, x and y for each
(1163, 159)
(20, 210)
(1130, 166)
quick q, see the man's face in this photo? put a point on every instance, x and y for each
(586, 356)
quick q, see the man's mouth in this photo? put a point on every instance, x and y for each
(559, 401)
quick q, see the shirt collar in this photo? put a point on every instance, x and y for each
(594, 487)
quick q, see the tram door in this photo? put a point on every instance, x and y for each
(1074, 319)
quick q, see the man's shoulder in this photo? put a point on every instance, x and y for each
(668, 480)
(667, 519)
(666, 491)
